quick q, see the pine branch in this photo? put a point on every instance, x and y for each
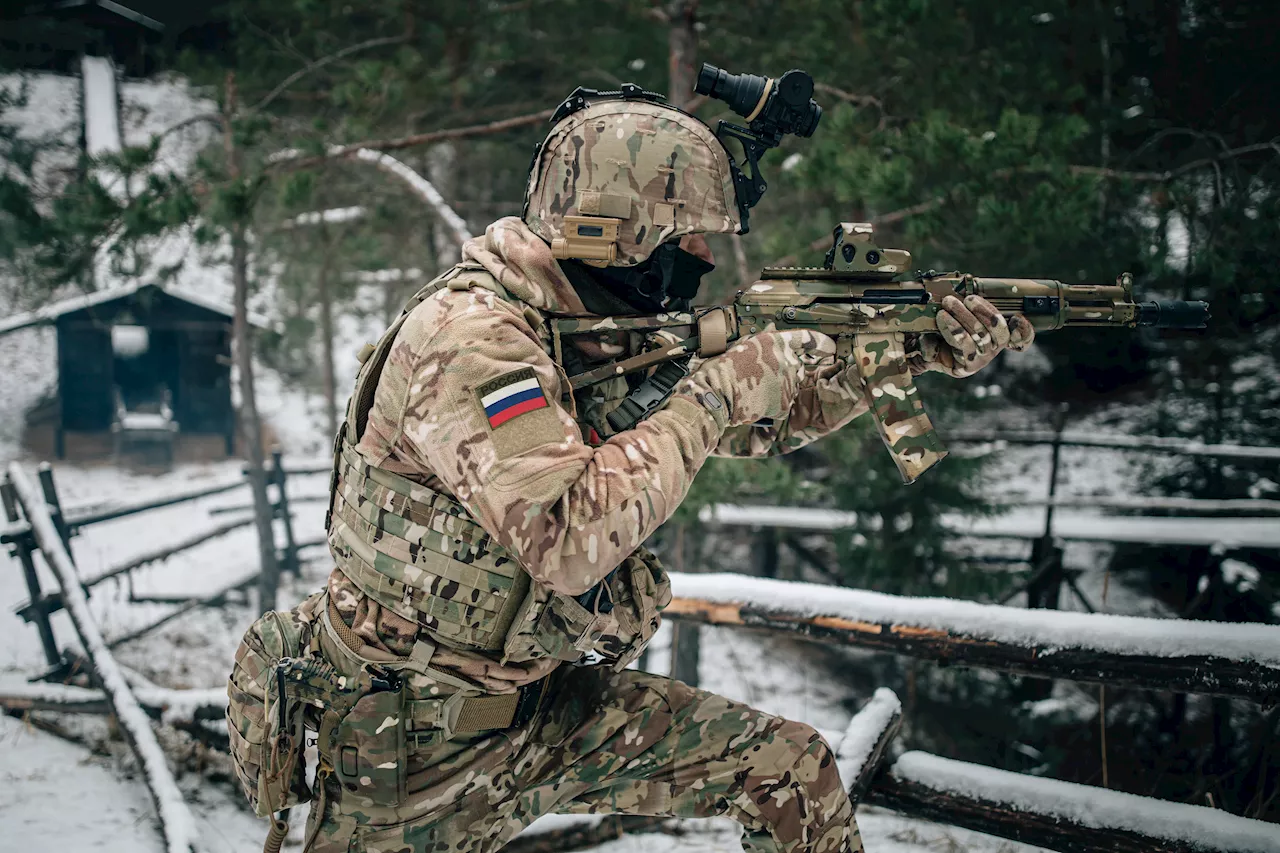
(1095, 171)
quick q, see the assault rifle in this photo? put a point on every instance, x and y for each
(855, 298)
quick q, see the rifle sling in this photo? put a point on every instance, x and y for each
(645, 398)
(644, 360)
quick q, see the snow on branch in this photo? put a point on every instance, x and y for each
(1155, 654)
(866, 741)
(330, 216)
(422, 187)
(1061, 815)
(176, 821)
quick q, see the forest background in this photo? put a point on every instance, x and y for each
(1062, 139)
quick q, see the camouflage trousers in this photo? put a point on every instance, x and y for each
(609, 743)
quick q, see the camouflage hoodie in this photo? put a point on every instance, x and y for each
(471, 403)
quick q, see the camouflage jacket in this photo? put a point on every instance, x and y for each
(471, 403)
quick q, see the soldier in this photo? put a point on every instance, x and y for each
(487, 526)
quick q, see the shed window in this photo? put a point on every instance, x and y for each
(130, 341)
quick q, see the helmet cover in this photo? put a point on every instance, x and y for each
(659, 171)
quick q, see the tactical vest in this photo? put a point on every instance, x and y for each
(418, 552)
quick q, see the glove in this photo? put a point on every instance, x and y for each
(970, 335)
(759, 376)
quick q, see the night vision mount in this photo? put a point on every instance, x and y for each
(772, 108)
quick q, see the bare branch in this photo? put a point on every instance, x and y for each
(292, 159)
(850, 97)
(322, 62)
(422, 187)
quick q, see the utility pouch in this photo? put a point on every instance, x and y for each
(369, 748)
(639, 590)
(567, 630)
(361, 731)
(266, 733)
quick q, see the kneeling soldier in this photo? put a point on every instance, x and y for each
(487, 523)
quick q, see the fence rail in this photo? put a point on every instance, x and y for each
(176, 821)
(1181, 446)
(1221, 659)
(1026, 525)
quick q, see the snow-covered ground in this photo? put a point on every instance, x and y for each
(114, 814)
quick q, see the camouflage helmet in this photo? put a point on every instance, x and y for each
(617, 178)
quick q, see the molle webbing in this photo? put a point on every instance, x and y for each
(414, 551)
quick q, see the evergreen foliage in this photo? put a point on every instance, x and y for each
(1067, 140)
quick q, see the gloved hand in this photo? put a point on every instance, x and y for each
(759, 376)
(970, 335)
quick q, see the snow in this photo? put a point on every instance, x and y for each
(863, 733)
(1208, 828)
(101, 106)
(1029, 524)
(176, 818)
(130, 421)
(1127, 635)
(49, 313)
(333, 215)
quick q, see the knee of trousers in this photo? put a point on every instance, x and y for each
(812, 764)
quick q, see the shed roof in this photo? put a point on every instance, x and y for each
(50, 313)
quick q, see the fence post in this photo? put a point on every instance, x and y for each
(22, 550)
(1046, 558)
(282, 509)
(55, 505)
(764, 552)
(685, 638)
(1047, 574)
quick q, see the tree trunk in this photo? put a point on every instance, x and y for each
(242, 334)
(251, 424)
(682, 43)
(326, 339)
(441, 162)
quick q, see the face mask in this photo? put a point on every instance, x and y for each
(667, 281)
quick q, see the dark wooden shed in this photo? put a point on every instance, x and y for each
(138, 364)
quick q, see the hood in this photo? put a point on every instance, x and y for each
(521, 261)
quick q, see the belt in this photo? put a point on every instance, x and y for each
(474, 714)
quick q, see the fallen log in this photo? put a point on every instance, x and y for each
(176, 822)
(1061, 815)
(866, 741)
(1219, 659)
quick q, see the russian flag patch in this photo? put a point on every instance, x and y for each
(512, 395)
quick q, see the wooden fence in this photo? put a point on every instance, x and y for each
(19, 534)
(1240, 661)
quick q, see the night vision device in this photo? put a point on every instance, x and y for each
(772, 107)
